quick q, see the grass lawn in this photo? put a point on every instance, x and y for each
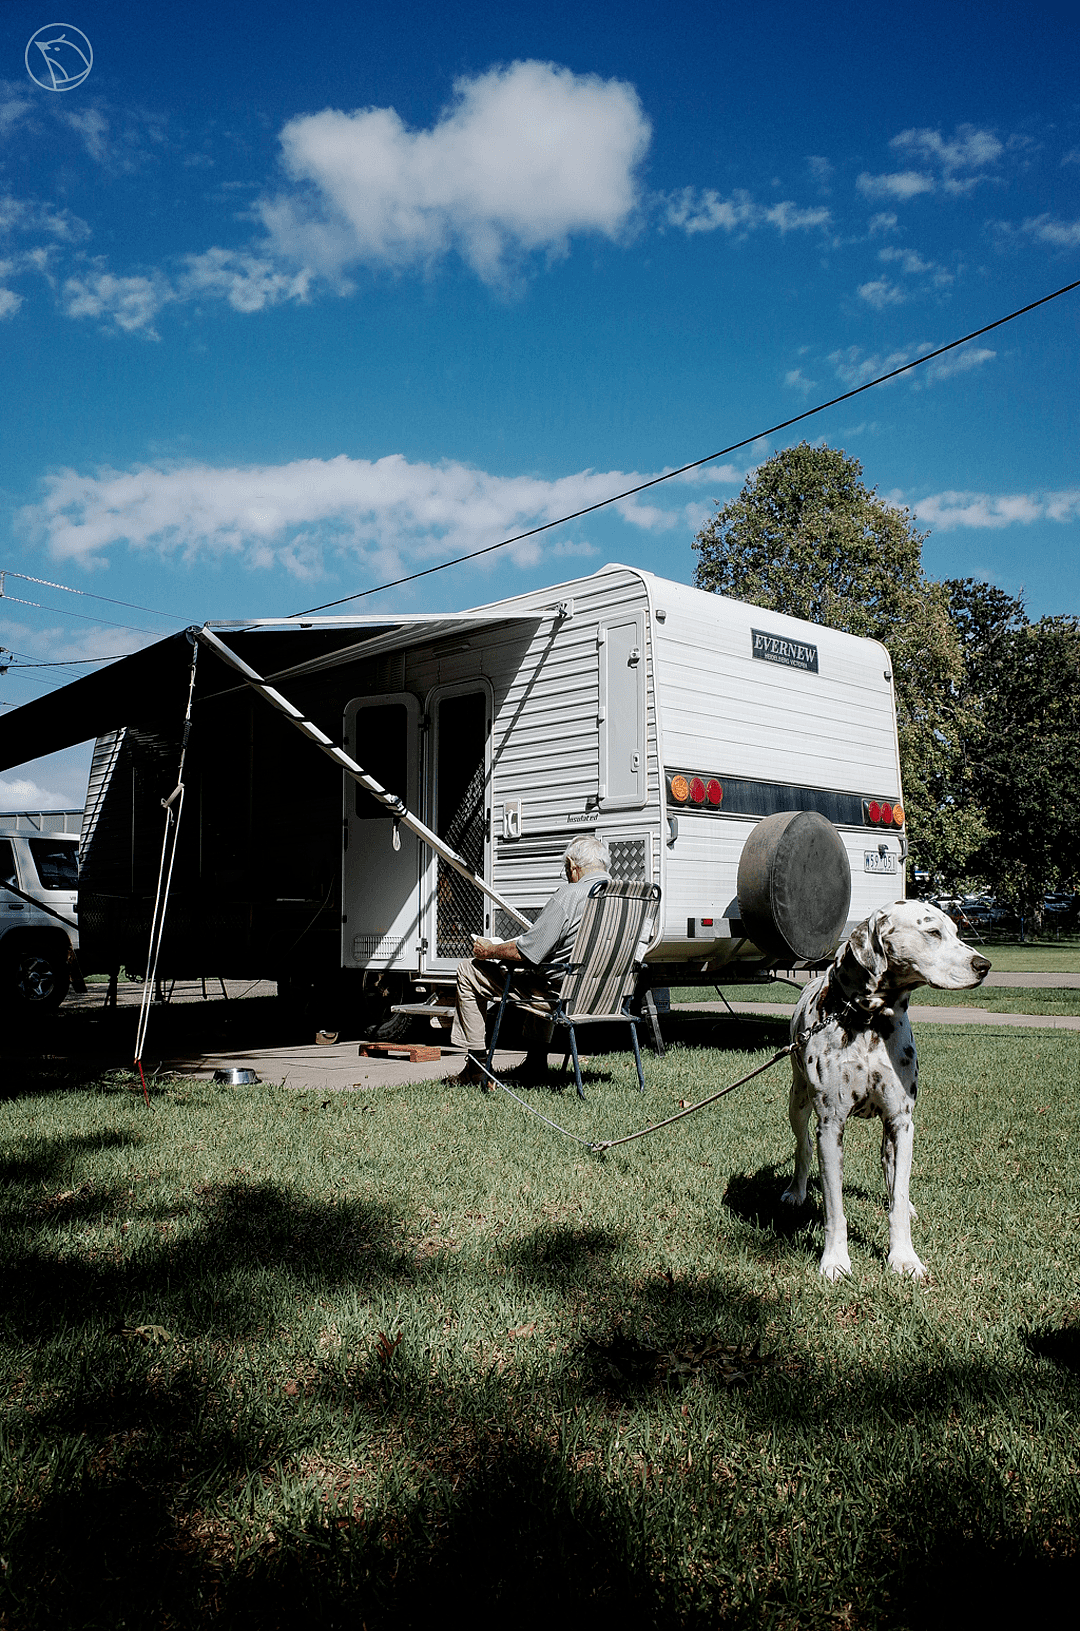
(271, 1359)
(1034, 957)
(995, 999)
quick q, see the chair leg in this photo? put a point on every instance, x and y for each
(499, 1019)
(577, 1062)
(637, 1056)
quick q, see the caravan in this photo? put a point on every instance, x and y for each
(744, 761)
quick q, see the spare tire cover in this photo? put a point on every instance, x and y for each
(794, 885)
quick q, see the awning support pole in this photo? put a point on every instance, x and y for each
(390, 801)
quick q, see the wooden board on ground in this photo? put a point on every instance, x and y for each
(416, 1052)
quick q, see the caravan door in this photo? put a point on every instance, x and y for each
(380, 883)
(459, 809)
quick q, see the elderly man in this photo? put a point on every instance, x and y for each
(549, 941)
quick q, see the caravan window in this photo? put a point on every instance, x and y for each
(382, 748)
(57, 864)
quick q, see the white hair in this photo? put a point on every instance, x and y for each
(588, 854)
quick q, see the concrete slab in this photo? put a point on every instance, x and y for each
(335, 1068)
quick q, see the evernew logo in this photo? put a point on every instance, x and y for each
(775, 648)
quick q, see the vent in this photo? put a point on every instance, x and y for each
(629, 863)
(380, 676)
(368, 948)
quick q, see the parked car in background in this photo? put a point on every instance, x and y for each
(39, 883)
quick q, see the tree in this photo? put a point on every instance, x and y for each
(1024, 764)
(807, 536)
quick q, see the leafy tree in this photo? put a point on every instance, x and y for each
(807, 536)
(1024, 764)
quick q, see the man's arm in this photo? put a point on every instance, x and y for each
(506, 951)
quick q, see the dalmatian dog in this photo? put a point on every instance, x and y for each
(853, 1054)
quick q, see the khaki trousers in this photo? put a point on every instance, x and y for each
(480, 984)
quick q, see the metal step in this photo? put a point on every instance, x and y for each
(424, 1010)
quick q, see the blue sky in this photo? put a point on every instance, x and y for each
(293, 305)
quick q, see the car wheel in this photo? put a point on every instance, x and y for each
(37, 980)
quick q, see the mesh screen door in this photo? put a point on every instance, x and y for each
(461, 816)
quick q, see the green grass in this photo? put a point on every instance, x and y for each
(271, 1359)
(994, 999)
(1035, 957)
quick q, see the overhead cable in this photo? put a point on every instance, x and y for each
(670, 475)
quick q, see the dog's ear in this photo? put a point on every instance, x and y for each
(865, 945)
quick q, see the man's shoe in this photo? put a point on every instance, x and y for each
(470, 1076)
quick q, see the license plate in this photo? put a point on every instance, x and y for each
(874, 861)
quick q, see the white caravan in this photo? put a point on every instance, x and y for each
(667, 721)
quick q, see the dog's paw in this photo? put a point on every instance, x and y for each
(835, 1266)
(907, 1263)
(793, 1196)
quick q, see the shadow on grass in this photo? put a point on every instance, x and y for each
(1061, 1344)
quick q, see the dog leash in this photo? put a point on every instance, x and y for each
(602, 1145)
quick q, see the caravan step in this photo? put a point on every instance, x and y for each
(425, 1010)
(417, 1053)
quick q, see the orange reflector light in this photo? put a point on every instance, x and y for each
(680, 789)
(697, 790)
(713, 791)
(898, 815)
(873, 810)
(886, 815)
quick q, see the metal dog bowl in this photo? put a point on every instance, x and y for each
(232, 1076)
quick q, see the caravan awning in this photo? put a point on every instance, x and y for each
(152, 683)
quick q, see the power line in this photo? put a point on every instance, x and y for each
(84, 617)
(45, 583)
(669, 475)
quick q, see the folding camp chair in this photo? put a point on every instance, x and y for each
(598, 981)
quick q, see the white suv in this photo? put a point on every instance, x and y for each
(38, 928)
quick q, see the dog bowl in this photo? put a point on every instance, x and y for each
(232, 1076)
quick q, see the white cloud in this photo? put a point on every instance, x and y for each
(705, 211)
(1072, 157)
(884, 222)
(881, 293)
(796, 380)
(855, 369)
(387, 511)
(21, 794)
(92, 126)
(525, 157)
(902, 184)
(248, 282)
(821, 170)
(1064, 234)
(9, 302)
(969, 149)
(960, 361)
(131, 303)
(949, 510)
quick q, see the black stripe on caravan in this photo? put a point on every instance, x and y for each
(744, 797)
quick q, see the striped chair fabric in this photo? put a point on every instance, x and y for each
(598, 982)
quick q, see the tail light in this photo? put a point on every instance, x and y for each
(713, 791)
(680, 789)
(697, 790)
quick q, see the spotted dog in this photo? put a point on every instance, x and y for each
(854, 1055)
